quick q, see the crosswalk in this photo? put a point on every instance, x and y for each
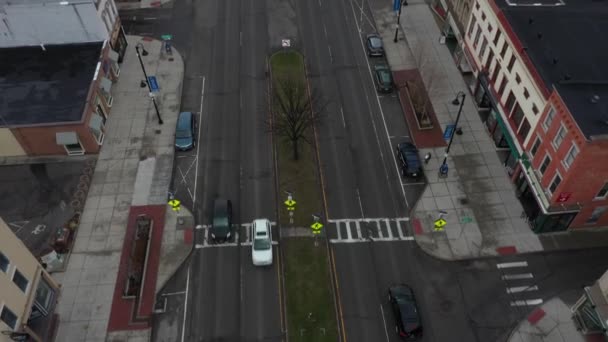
(520, 286)
(369, 229)
(241, 237)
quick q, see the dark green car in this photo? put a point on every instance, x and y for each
(383, 78)
(221, 227)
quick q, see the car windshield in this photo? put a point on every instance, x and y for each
(385, 77)
(182, 134)
(262, 244)
(375, 42)
(220, 223)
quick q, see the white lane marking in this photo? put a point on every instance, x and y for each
(512, 264)
(384, 321)
(527, 302)
(348, 232)
(186, 303)
(241, 38)
(388, 229)
(517, 289)
(343, 120)
(358, 225)
(338, 230)
(370, 219)
(517, 276)
(379, 228)
(360, 204)
(331, 56)
(198, 141)
(379, 106)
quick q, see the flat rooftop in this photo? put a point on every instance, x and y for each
(46, 86)
(567, 41)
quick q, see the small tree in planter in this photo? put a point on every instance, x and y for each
(420, 102)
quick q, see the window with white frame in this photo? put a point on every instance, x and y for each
(570, 156)
(596, 214)
(557, 179)
(549, 119)
(559, 137)
(4, 262)
(20, 280)
(535, 146)
(8, 317)
(545, 164)
(603, 193)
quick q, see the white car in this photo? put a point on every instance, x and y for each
(261, 246)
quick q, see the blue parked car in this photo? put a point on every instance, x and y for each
(185, 132)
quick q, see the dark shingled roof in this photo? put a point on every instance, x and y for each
(41, 87)
(568, 45)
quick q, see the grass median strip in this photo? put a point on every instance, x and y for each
(310, 306)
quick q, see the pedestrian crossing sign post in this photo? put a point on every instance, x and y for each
(316, 227)
(290, 205)
(439, 224)
(175, 204)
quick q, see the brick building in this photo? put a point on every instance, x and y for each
(59, 60)
(542, 89)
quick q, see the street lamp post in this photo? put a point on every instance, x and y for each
(443, 169)
(145, 53)
(396, 39)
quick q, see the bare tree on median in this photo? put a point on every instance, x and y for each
(294, 112)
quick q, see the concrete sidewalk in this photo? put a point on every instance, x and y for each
(484, 217)
(134, 169)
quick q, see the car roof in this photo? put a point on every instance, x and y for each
(407, 146)
(375, 40)
(261, 225)
(183, 120)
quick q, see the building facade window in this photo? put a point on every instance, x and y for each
(543, 167)
(497, 37)
(488, 62)
(490, 28)
(503, 85)
(549, 119)
(518, 115)
(477, 5)
(8, 317)
(596, 214)
(603, 193)
(484, 45)
(559, 137)
(524, 129)
(483, 16)
(557, 179)
(535, 146)
(511, 63)
(20, 280)
(526, 93)
(570, 156)
(534, 109)
(477, 35)
(472, 26)
(517, 78)
(504, 50)
(509, 104)
(495, 72)
(4, 263)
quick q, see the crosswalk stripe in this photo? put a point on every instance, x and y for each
(512, 264)
(518, 289)
(338, 230)
(388, 229)
(348, 232)
(400, 219)
(380, 235)
(517, 276)
(358, 225)
(527, 302)
(400, 232)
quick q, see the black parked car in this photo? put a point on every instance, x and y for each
(407, 319)
(221, 228)
(374, 45)
(383, 78)
(409, 160)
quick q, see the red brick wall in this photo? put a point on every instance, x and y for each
(586, 175)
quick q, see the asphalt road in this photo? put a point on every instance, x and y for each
(224, 44)
(458, 301)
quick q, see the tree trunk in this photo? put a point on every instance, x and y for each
(296, 155)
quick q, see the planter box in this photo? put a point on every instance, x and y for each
(422, 124)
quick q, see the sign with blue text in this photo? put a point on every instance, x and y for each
(153, 83)
(396, 5)
(449, 131)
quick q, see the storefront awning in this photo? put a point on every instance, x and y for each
(113, 55)
(105, 84)
(507, 135)
(66, 138)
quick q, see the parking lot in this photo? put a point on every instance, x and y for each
(39, 198)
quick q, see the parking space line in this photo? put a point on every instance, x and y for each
(198, 144)
(384, 321)
(186, 303)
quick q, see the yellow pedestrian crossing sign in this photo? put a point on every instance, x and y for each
(439, 224)
(175, 204)
(316, 226)
(290, 203)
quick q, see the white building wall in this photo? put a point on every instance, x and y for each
(481, 9)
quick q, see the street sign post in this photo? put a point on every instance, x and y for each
(290, 205)
(153, 84)
(449, 131)
(439, 224)
(396, 5)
